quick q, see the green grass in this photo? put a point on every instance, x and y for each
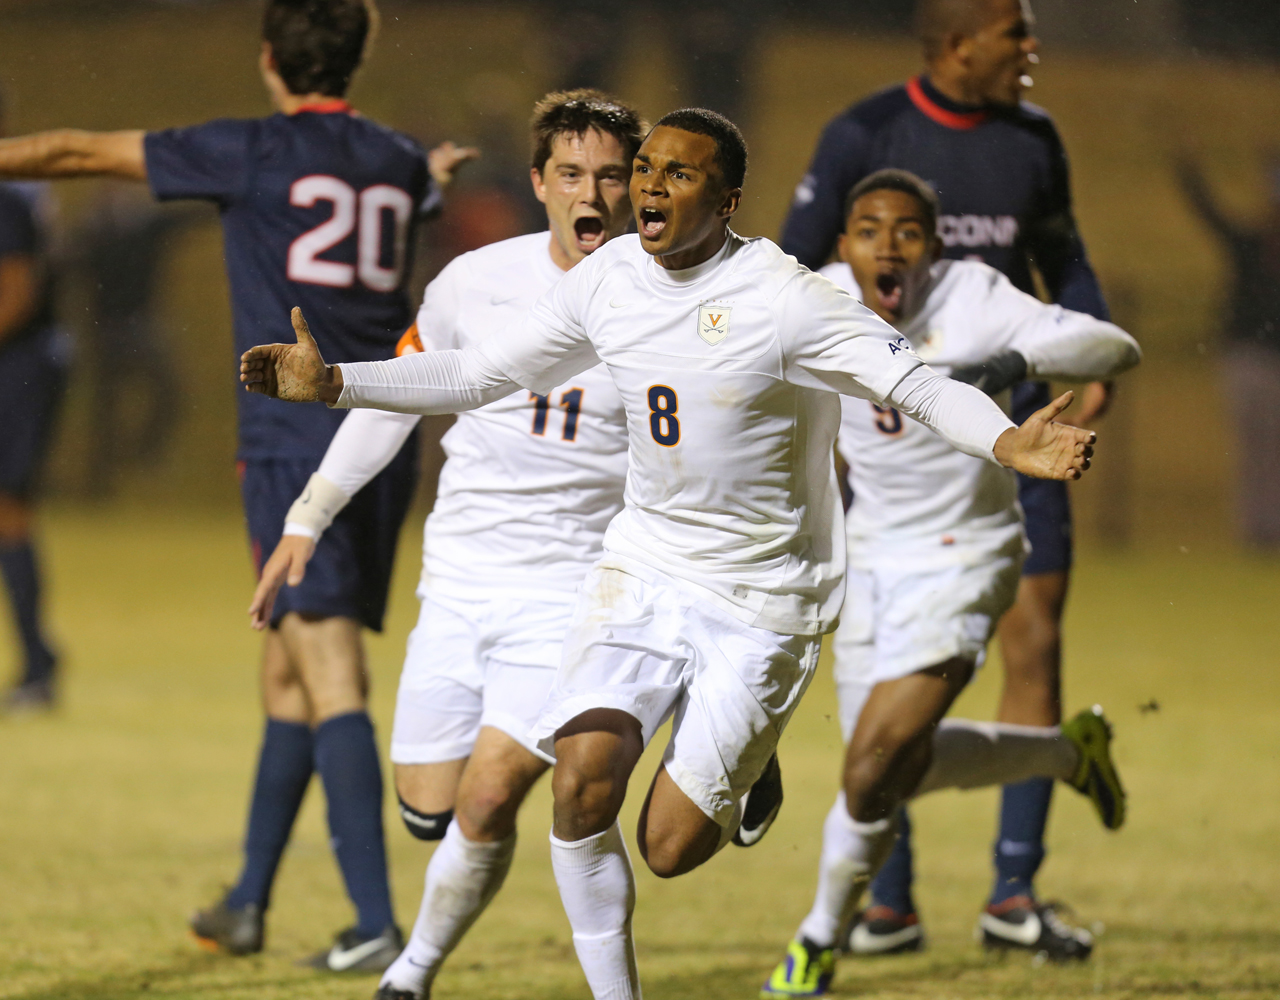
(123, 811)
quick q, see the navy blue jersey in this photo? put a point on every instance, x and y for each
(1001, 175)
(319, 210)
(22, 234)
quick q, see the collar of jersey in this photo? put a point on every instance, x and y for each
(690, 275)
(335, 106)
(941, 109)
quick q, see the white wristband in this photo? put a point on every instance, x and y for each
(316, 508)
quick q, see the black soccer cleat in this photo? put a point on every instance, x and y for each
(235, 931)
(760, 805)
(395, 993)
(880, 930)
(30, 697)
(1023, 924)
(354, 952)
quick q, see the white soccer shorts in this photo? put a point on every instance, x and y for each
(476, 662)
(896, 622)
(642, 645)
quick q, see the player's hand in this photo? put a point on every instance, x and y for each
(288, 564)
(443, 161)
(1095, 401)
(1044, 448)
(293, 372)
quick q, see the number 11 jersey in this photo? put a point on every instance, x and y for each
(319, 210)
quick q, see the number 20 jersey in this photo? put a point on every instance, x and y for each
(531, 482)
(319, 210)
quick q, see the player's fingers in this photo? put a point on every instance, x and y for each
(1057, 406)
(300, 328)
(297, 569)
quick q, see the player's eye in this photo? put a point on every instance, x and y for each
(680, 175)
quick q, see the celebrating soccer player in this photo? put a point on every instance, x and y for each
(1001, 172)
(936, 545)
(529, 484)
(725, 566)
(319, 205)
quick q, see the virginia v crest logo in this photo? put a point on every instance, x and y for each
(713, 322)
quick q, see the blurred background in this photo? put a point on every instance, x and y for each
(1167, 108)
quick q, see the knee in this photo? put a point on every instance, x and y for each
(883, 772)
(424, 826)
(488, 811)
(663, 854)
(585, 803)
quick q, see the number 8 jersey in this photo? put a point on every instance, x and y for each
(319, 210)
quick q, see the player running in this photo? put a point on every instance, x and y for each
(319, 205)
(935, 549)
(1000, 168)
(528, 487)
(726, 564)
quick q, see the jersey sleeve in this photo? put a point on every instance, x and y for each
(816, 216)
(1054, 241)
(834, 343)
(18, 233)
(551, 345)
(210, 161)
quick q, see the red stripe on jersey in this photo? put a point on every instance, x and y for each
(961, 120)
(333, 106)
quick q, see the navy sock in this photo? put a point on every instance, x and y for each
(22, 578)
(347, 759)
(892, 885)
(1019, 851)
(284, 770)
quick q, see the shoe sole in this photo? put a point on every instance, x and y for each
(1102, 783)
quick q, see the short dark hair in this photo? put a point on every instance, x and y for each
(898, 180)
(937, 20)
(575, 112)
(731, 148)
(317, 44)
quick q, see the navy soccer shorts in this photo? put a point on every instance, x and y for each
(350, 573)
(1045, 502)
(33, 375)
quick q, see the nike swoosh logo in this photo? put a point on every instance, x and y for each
(498, 300)
(616, 305)
(864, 942)
(340, 961)
(1026, 933)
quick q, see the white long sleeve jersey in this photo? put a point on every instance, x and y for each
(918, 501)
(729, 374)
(530, 482)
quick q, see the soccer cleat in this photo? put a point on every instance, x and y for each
(760, 805)
(235, 931)
(880, 930)
(807, 971)
(30, 697)
(389, 992)
(1096, 776)
(353, 952)
(1022, 923)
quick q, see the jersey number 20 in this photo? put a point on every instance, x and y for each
(367, 209)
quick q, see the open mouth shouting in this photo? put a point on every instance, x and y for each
(652, 223)
(889, 292)
(588, 232)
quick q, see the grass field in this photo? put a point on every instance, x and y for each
(124, 810)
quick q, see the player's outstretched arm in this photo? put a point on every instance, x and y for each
(288, 564)
(445, 160)
(73, 153)
(292, 372)
(1044, 448)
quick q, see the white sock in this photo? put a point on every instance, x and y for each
(852, 853)
(598, 889)
(976, 754)
(463, 876)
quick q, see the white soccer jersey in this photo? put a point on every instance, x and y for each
(919, 503)
(728, 373)
(531, 481)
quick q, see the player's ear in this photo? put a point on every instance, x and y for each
(935, 248)
(730, 203)
(539, 185)
(842, 245)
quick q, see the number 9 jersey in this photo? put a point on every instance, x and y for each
(319, 210)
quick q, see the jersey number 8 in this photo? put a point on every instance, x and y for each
(663, 424)
(366, 209)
